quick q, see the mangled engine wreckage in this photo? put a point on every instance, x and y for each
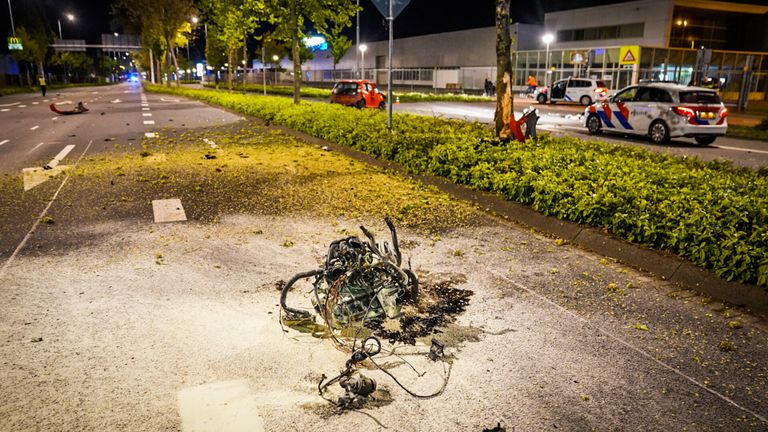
(361, 282)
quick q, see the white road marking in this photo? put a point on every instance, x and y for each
(145, 109)
(10, 104)
(46, 100)
(35, 103)
(168, 210)
(54, 118)
(220, 406)
(35, 148)
(39, 218)
(5, 109)
(150, 134)
(3, 142)
(34, 127)
(146, 114)
(628, 345)
(148, 122)
(22, 106)
(748, 150)
(62, 154)
(169, 100)
(115, 101)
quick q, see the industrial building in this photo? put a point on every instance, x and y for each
(680, 40)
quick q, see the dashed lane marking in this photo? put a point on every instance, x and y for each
(145, 109)
(39, 218)
(3, 142)
(35, 148)
(5, 109)
(34, 127)
(149, 122)
(146, 114)
(54, 118)
(10, 104)
(150, 134)
(59, 157)
(22, 106)
(35, 103)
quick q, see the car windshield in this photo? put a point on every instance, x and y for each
(699, 97)
(345, 87)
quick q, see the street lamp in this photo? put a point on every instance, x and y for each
(548, 38)
(275, 58)
(69, 16)
(363, 48)
(684, 24)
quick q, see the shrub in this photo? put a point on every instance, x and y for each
(712, 213)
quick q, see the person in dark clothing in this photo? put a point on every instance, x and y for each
(487, 87)
(43, 85)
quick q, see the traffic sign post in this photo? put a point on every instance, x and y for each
(629, 55)
(390, 9)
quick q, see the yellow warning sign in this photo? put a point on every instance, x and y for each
(629, 55)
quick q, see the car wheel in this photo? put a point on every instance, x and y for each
(594, 125)
(360, 104)
(705, 140)
(383, 105)
(659, 132)
(585, 100)
(542, 98)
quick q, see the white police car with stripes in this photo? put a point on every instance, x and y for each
(660, 111)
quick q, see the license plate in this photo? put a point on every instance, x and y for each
(706, 115)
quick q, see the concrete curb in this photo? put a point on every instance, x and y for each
(666, 265)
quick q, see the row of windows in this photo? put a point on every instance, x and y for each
(623, 31)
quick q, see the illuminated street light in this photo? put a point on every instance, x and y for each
(363, 48)
(195, 20)
(548, 38)
(70, 17)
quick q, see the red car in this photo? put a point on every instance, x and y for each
(358, 93)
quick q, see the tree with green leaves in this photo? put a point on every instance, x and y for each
(290, 18)
(69, 61)
(163, 25)
(338, 43)
(35, 43)
(232, 22)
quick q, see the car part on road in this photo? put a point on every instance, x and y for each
(79, 109)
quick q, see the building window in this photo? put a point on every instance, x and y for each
(623, 31)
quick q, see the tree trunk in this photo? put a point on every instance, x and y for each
(504, 111)
(232, 59)
(295, 51)
(175, 63)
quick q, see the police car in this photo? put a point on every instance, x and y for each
(581, 90)
(660, 111)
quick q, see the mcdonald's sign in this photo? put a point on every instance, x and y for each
(14, 43)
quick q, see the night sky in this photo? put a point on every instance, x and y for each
(419, 17)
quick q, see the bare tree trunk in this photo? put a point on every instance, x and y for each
(295, 51)
(504, 111)
(175, 63)
(232, 59)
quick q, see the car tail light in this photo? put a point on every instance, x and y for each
(724, 113)
(684, 111)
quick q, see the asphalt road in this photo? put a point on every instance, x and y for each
(566, 120)
(31, 134)
(112, 321)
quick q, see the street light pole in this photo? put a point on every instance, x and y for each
(60, 36)
(547, 39)
(357, 40)
(10, 12)
(362, 48)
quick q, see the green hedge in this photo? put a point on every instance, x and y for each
(747, 132)
(711, 213)
(320, 93)
(10, 90)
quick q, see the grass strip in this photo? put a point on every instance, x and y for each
(714, 214)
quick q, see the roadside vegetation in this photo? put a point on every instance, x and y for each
(322, 93)
(713, 214)
(758, 132)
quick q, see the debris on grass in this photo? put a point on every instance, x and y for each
(47, 220)
(726, 345)
(642, 327)
(734, 324)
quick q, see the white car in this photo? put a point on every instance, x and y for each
(581, 90)
(661, 111)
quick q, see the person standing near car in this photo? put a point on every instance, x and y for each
(532, 84)
(42, 83)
